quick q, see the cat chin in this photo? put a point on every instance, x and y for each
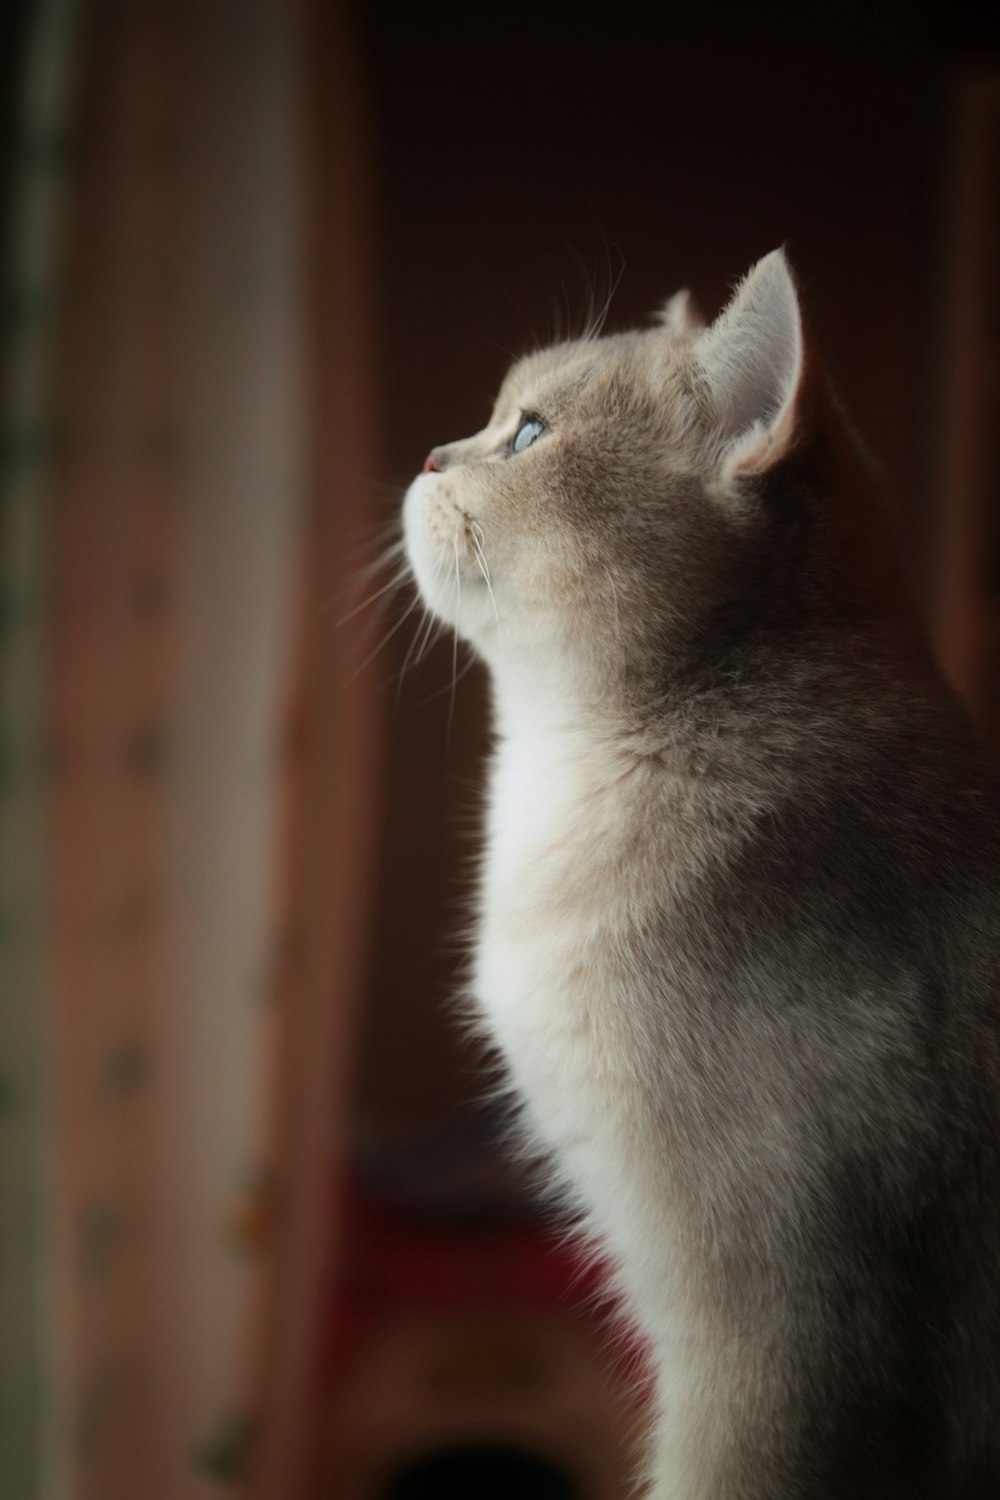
(449, 580)
(428, 549)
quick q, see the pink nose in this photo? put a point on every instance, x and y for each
(431, 465)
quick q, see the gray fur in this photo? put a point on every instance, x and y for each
(739, 939)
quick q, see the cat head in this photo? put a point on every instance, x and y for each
(619, 489)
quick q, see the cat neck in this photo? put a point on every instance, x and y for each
(538, 696)
(571, 718)
(721, 717)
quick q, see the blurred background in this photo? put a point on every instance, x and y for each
(258, 1235)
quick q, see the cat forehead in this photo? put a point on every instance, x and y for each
(564, 374)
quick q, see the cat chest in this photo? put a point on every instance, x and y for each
(558, 948)
(558, 980)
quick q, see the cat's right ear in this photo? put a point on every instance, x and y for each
(753, 362)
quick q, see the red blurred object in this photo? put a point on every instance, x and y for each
(395, 1262)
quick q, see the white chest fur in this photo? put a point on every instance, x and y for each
(557, 974)
(565, 981)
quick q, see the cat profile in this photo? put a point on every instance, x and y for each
(738, 935)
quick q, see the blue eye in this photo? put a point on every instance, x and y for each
(529, 431)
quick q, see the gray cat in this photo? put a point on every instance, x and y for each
(739, 931)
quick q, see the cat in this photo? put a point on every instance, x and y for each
(738, 935)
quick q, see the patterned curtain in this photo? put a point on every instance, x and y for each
(187, 785)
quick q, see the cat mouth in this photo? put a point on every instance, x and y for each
(450, 528)
(447, 548)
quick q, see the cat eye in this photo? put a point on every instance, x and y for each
(529, 431)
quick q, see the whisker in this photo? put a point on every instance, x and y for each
(393, 583)
(503, 349)
(479, 539)
(454, 636)
(377, 536)
(484, 569)
(535, 341)
(597, 313)
(423, 638)
(597, 324)
(386, 554)
(588, 280)
(355, 577)
(481, 562)
(432, 632)
(409, 653)
(385, 639)
(556, 322)
(439, 692)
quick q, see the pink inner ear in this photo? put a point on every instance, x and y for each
(753, 357)
(772, 445)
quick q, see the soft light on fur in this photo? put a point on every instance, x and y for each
(738, 940)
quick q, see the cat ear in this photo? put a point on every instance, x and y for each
(753, 361)
(681, 316)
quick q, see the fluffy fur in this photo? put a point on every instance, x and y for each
(738, 939)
